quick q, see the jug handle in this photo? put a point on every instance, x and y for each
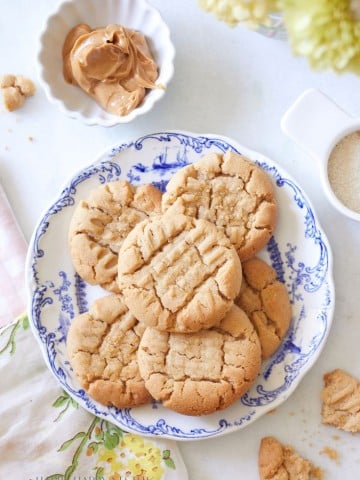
(316, 123)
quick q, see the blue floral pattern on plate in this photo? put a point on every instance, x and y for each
(299, 252)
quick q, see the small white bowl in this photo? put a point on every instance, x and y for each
(134, 14)
(317, 124)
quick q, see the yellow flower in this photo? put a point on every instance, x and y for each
(110, 460)
(327, 32)
(148, 466)
(133, 458)
(133, 442)
(115, 476)
(249, 12)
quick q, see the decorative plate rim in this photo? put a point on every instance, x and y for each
(123, 417)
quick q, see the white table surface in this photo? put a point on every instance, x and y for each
(227, 81)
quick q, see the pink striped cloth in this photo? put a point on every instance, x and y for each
(12, 264)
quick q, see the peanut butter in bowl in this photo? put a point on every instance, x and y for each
(112, 64)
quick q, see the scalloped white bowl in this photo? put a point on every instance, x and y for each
(135, 14)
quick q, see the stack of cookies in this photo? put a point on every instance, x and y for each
(191, 312)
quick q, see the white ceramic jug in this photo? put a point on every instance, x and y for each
(317, 124)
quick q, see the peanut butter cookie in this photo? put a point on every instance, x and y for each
(102, 347)
(178, 273)
(101, 222)
(206, 371)
(232, 192)
(282, 462)
(266, 302)
(341, 401)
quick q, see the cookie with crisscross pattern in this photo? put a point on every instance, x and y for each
(101, 222)
(203, 372)
(178, 273)
(230, 191)
(102, 346)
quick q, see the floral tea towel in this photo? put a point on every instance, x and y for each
(12, 264)
(45, 435)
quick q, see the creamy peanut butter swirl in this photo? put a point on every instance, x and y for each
(112, 64)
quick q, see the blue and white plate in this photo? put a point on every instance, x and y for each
(299, 252)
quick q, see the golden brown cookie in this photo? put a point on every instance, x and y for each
(341, 401)
(15, 88)
(177, 273)
(282, 462)
(267, 303)
(101, 222)
(102, 347)
(203, 372)
(231, 191)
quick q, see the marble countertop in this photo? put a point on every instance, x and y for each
(228, 81)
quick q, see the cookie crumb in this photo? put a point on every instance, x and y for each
(341, 401)
(30, 138)
(277, 461)
(7, 80)
(330, 452)
(316, 474)
(272, 411)
(15, 88)
(25, 85)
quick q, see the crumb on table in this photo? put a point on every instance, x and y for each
(277, 461)
(15, 88)
(341, 401)
(330, 452)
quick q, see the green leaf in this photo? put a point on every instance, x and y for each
(55, 476)
(25, 322)
(100, 435)
(94, 446)
(99, 473)
(73, 403)
(114, 430)
(111, 440)
(69, 471)
(60, 401)
(166, 454)
(10, 344)
(169, 462)
(61, 414)
(66, 444)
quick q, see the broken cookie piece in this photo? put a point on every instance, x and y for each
(282, 462)
(341, 401)
(15, 88)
